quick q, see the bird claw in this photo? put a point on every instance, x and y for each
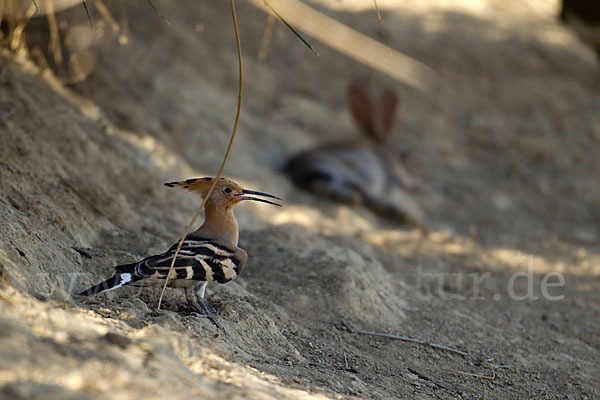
(204, 310)
(209, 310)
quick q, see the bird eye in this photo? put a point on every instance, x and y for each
(227, 190)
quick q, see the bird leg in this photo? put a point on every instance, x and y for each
(199, 291)
(201, 306)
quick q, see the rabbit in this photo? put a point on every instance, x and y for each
(361, 171)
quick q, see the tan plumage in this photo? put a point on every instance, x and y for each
(208, 254)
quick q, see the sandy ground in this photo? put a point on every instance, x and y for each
(505, 144)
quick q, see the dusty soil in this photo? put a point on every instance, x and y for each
(506, 145)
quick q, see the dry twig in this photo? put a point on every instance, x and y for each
(266, 39)
(385, 39)
(233, 134)
(491, 378)
(417, 341)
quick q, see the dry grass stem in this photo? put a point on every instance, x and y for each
(17, 33)
(54, 45)
(417, 341)
(233, 134)
(491, 378)
(107, 16)
(380, 20)
(266, 39)
(354, 44)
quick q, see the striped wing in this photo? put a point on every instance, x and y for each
(198, 260)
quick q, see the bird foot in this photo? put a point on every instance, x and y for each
(202, 309)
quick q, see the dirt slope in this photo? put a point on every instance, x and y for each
(506, 146)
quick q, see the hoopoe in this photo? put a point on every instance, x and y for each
(208, 254)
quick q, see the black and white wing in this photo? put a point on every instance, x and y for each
(198, 260)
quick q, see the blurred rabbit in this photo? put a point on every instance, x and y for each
(363, 170)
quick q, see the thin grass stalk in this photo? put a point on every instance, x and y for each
(233, 135)
(385, 39)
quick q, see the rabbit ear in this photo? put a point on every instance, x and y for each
(361, 106)
(386, 112)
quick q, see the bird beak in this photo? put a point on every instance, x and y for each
(246, 192)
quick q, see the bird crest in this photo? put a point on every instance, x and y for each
(201, 185)
(234, 193)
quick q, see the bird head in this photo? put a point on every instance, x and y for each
(225, 194)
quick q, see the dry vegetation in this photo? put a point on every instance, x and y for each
(505, 142)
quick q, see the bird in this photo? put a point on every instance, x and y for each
(210, 253)
(583, 17)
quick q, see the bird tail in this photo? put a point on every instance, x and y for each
(120, 279)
